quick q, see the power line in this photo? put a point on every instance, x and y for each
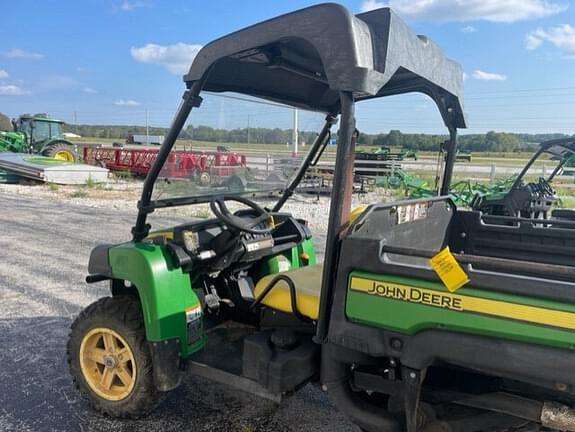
(521, 90)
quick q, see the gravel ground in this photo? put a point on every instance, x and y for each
(46, 239)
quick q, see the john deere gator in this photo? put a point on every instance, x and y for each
(420, 317)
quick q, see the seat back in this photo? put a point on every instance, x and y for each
(415, 224)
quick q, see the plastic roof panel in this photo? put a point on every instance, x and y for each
(305, 58)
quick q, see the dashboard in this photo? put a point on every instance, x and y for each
(212, 245)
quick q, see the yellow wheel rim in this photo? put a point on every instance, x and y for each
(107, 364)
(64, 155)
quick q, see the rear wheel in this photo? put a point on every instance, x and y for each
(110, 360)
(61, 151)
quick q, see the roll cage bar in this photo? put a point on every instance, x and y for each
(321, 58)
(561, 149)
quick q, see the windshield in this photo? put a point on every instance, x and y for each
(46, 130)
(235, 144)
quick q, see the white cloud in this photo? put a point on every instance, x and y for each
(89, 90)
(465, 76)
(16, 53)
(3, 74)
(532, 41)
(128, 6)
(488, 76)
(82, 69)
(468, 29)
(562, 36)
(176, 58)
(12, 90)
(469, 10)
(369, 5)
(128, 102)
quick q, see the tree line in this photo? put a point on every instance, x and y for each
(490, 141)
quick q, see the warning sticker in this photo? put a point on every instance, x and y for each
(449, 270)
(193, 313)
(411, 212)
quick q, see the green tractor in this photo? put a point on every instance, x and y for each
(421, 317)
(38, 134)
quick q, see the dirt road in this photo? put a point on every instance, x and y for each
(44, 246)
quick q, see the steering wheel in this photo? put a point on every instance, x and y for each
(219, 208)
(545, 187)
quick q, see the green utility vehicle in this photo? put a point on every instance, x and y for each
(520, 197)
(241, 298)
(40, 135)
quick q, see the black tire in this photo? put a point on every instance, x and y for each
(61, 146)
(123, 315)
(203, 178)
(235, 183)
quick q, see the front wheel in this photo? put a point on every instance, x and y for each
(61, 151)
(110, 360)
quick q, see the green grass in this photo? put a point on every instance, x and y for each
(567, 202)
(80, 193)
(90, 183)
(122, 175)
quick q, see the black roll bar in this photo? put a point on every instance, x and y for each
(191, 99)
(450, 162)
(344, 161)
(316, 149)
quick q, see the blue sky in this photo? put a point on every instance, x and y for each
(107, 62)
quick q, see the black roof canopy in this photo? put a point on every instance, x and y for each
(560, 148)
(306, 57)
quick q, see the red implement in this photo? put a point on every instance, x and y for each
(180, 163)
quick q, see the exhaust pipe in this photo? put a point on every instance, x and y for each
(550, 414)
(557, 416)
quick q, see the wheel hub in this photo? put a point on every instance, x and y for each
(108, 364)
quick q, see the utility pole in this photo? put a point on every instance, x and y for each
(75, 122)
(295, 128)
(147, 129)
(248, 128)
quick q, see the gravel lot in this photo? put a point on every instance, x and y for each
(46, 239)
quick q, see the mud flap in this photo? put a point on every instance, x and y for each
(412, 380)
(166, 361)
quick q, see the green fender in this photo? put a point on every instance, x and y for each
(165, 291)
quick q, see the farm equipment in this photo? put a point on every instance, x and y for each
(12, 142)
(145, 139)
(391, 155)
(38, 134)
(381, 162)
(204, 167)
(535, 200)
(463, 156)
(481, 341)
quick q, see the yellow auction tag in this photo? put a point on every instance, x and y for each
(449, 270)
